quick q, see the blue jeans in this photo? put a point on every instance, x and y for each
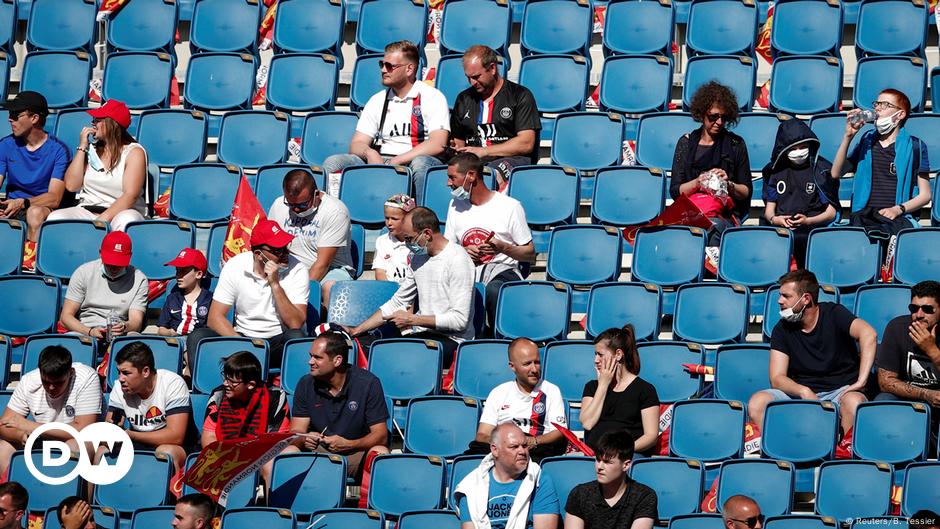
(419, 169)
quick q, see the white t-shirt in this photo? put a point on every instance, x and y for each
(255, 313)
(169, 397)
(83, 397)
(103, 188)
(468, 224)
(410, 121)
(329, 227)
(391, 255)
(533, 412)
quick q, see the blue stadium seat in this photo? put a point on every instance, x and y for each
(5, 396)
(721, 27)
(587, 141)
(148, 517)
(657, 135)
(309, 26)
(556, 26)
(295, 363)
(81, 347)
(634, 27)
(853, 489)
(465, 23)
(806, 27)
(741, 370)
(61, 76)
(385, 21)
(302, 82)
(225, 25)
(538, 310)
(739, 73)
(8, 20)
(436, 193)
(326, 133)
(800, 521)
(209, 355)
(829, 128)
(891, 432)
(406, 482)
(919, 491)
(167, 354)
(31, 305)
(408, 368)
(625, 196)
(216, 241)
(173, 137)
(635, 84)
(43, 496)
(242, 494)
(696, 521)
(357, 248)
(431, 519)
(677, 482)
(6, 61)
(441, 425)
(549, 196)
(104, 517)
(253, 138)
(148, 25)
(141, 79)
(711, 313)
(308, 482)
(907, 74)
(351, 302)
(203, 192)
(615, 304)
(459, 468)
(364, 189)
(891, 27)
(799, 431)
(220, 81)
(668, 256)
(755, 256)
(62, 25)
(481, 366)
(254, 517)
(766, 481)
(146, 486)
(157, 242)
(559, 83)
(348, 519)
(916, 255)
(806, 84)
(270, 184)
(12, 236)
(199, 402)
(759, 130)
(6, 365)
(567, 472)
(709, 430)
(449, 78)
(569, 365)
(927, 128)
(662, 367)
(878, 304)
(843, 257)
(366, 80)
(64, 245)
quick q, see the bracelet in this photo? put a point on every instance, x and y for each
(903, 208)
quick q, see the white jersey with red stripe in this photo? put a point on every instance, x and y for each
(409, 121)
(534, 412)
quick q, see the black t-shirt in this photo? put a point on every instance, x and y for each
(586, 501)
(884, 177)
(480, 123)
(359, 405)
(795, 191)
(898, 354)
(621, 410)
(825, 358)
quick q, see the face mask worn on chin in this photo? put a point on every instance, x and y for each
(798, 156)
(886, 124)
(459, 193)
(791, 316)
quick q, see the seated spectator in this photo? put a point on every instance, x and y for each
(104, 286)
(339, 408)
(404, 124)
(268, 288)
(713, 150)
(194, 511)
(187, 306)
(614, 500)
(244, 406)
(391, 254)
(619, 399)
(799, 193)
(495, 118)
(32, 162)
(889, 165)
(74, 513)
(740, 511)
(529, 401)
(440, 276)
(14, 499)
(925, 519)
(154, 403)
(813, 352)
(507, 490)
(109, 177)
(57, 391)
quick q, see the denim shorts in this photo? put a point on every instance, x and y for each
(833, 396)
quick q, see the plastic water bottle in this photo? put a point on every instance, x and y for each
(92, 155)
(865, 116)
(113, 319)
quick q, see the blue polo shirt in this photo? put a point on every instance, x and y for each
(359, 405)
(27, 174)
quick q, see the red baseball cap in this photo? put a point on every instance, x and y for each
(190, 257)
(115, 110)
(270, 233)
(116, 249)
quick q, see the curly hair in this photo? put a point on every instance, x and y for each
(711, 94)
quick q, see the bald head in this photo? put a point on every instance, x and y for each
(525, 362)
(738, 509)
(503, 432)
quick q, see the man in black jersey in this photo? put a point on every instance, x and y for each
(495, 119)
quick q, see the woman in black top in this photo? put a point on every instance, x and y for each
(619, 399)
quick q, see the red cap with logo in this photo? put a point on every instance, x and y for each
(190, 257)
(270, 233)
(116, 249)
(115, 110)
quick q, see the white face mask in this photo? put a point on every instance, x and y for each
(307, 213)
(459, 193)
(798, 156)
(886, 124)
(789, 315)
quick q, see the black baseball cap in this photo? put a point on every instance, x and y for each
(28, 100)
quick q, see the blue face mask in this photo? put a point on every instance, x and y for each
(459, 193)
(416, 248)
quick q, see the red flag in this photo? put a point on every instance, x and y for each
(109, 8)
(763, 39)
(698, 369)
(682, 211)
(573, 439)
(246, 212)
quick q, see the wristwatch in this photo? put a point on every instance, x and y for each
(903, 208)
(25, 203)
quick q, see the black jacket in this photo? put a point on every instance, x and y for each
(806, 190)
(733, 159)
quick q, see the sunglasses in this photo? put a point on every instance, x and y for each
(751, 521)
(15, 115)
(385, 65)
(715, 116)
(301, 206)
(279, 252)
(928, 309)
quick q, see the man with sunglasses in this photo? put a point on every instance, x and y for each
(405, 124)
(268, 288)
(740, 511)
(13, 504)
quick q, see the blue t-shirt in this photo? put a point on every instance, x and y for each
(502, 496)
(26, 173)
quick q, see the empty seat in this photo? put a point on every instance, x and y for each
(385, 21)
(843, 257)
(919, 491)
(662, 367)
(211, 352)
(61, 76)
(408, 368)
(722, 27)
(203, 192)
(305, 482)
(225, 25)
(406, 482)
(582, 256)
(657, 135)
(348, 518)
(891, 27)
(927, 128)
(766, 481)
(635, 84)
(173, 137)
(668, 256)
(148, 25)
(806, 27)
(364, 189)
(157, 242)
(481, 367)
(220, 81)
(253, 138)
(466, 23)
(878, 304)
(709, 430)
(559, 83)
(755, 256)
(916, 255)
(853, 489)
(431, 519)
(325, 134)
(351, 302)
(677, 483)
(799, 431)
(711, 313)
(62, 25)
(634, 27)
(31, 305)
(309, 26)
(907, 74)
(738, 73)
(625, 196)
(741, 370)
(556, 26)
(538, 310)
(587, 141)
(615, 304)
(549, 196)
(806, 85)
(302, 82)
(891, 432)
(442, 425)
(140, 79)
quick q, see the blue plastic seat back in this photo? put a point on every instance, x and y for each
(167, 354)
(302, 82)
(12, 235)
(6, 363)
(919, 493)
(559, 83)
(6, 61)
(270, 184)
(254, 138)
(220, 81)
(459, 468)
(916, 255)
(567, 472)
(806, 27)
(157, 242)
(364, 189)
(253, 517)
(149, 25)
(907, 74)
(569, 365)
(326, 133)
(618, 303)
(538, 310)
(450, 79)
(466, 23)
(8, 22)
(308, 482)
(436, 193)
(927, 128)
(152, 517)
(429, 520)
(366, 80)
(799, 431)
(216, 241)
(62, 25)
(738, 73)
(556, 26)
(348, 519)
(442, 426)
(892, 432)
(891, 27)
(140, 79)
(406, 482)
(625, 196)
(806, 85)
(829, 128)
(879, 304)
(853, 489)
(709, 430)
(677, 483)
(64, 245)
(203, 192)
(668, 256)
(243, 493)
(146, 486)
(697, 521)
(31, 305)
(81, 347)
(309, 26)
(722, 27)
(481, 366)
(662, 367)
(295, 363)
(408, 368)
(759, 130)
(225, 25)
(741, 371)
(61, 76)
(351, 302)
(43, 496)
(633, 27)
(657, 135)
(549, 194)
(799, 521)
(385, 21)
(636, 84)
(587, 140)
(842, 257)
(711, 313)
(207, 371)
(754, 256)
(173, 137)
(766, 481)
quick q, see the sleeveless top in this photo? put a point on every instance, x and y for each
(102, 188)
